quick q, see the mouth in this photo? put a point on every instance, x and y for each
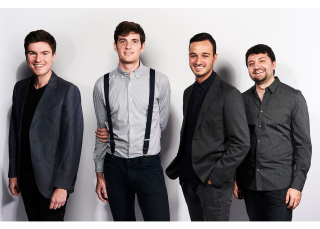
(128, 53)
(258, 72)
(39, 65)
(199, 67)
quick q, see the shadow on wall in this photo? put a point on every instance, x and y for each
(22, 72)
(166, 150)
(226, 72)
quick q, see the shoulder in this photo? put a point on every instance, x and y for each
(227, 88)
(22, 82)
(66, 85)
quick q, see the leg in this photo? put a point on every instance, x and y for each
(193, 203)
(276, 206)
(28, 190)
(215, 201)
(121, 196)
(151, 189)
(255, 205)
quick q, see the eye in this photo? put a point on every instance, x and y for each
(122, 41)
(135, 42)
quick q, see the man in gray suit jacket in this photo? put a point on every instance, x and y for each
(214, 137)
(46, 130)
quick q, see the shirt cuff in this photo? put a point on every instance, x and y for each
(99, 166)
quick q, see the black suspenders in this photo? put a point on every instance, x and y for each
(149, 117)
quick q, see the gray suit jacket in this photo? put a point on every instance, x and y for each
(55, 135)
(221, 139)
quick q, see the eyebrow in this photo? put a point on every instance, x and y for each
(201, 53)
(258, 59)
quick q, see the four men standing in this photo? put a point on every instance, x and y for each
(132, 104)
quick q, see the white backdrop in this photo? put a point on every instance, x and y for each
(85, 52)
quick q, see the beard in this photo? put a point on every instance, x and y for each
(260, 80)
(204, 74)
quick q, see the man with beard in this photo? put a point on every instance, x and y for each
(214, 137)
(272, 176)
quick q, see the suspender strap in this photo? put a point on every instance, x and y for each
(106, 95)
(150, 109)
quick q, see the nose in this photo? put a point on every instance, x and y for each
(198, 60)
(128, 45)
(38, 58)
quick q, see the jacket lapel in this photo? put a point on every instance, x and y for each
(186, 100)
(208, 100)
(45, 98)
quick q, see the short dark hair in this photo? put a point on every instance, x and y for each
(126, 27)
(203, 37)
(260, 48)
(40, 36)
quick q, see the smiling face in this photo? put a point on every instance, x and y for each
(129, 48)
(261, 68)
(201, 58)
(40, 58)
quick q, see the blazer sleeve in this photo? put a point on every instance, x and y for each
(238, 133)
(71, 135)
(13, 140)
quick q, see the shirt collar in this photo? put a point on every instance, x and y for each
(272, 88)
(208, 81)
(136, 72)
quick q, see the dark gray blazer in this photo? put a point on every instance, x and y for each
(55, 135)
(221, 139)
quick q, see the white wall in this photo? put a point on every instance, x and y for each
(85, 52)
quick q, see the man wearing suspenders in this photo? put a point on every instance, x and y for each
(132, 108)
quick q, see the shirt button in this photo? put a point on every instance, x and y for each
(131, 114)
(131, 129)
(131, 145)
(130, 99)
(261, 111)
(129, 84)
(258, 140)
(122, 77)
(259, 126)
(125, 73)
(258, 170)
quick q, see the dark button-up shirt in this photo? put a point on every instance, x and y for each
(199, 92)
(280, 153)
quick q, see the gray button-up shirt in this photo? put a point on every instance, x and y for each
(280, 153)
(129, 100)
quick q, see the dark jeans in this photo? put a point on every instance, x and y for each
(141, 176)
(267, 205)
(208, 203)
(36, 205)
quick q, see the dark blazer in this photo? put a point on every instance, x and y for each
(221, 139)
(55, 135)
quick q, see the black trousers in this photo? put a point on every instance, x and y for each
(267, 205)
(140, 176)
(208, 202)
(36, 205)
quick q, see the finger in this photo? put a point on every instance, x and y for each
(58, 206)
(235, 193)
(100, 196)
(240, 195)
(287, 198)
(55, 206)
(291, 203)
(296, 203)
(51, 204)
(101, 140)
(63, 204)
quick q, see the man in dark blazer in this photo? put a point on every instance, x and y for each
(214, 137)
(45, 137)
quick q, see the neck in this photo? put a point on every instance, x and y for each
(40, 81)
(203, 78)
(261, 87)
(128, 68)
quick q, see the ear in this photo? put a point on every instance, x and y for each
(54, 57)
(115, 47)
(215, 57)
(143, 46)
(274, 63)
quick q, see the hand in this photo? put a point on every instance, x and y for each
(101, 188)
(237, 191)
(102, 134)
(209, 182)
(294, 196)
(58, 198)
(13, 186)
